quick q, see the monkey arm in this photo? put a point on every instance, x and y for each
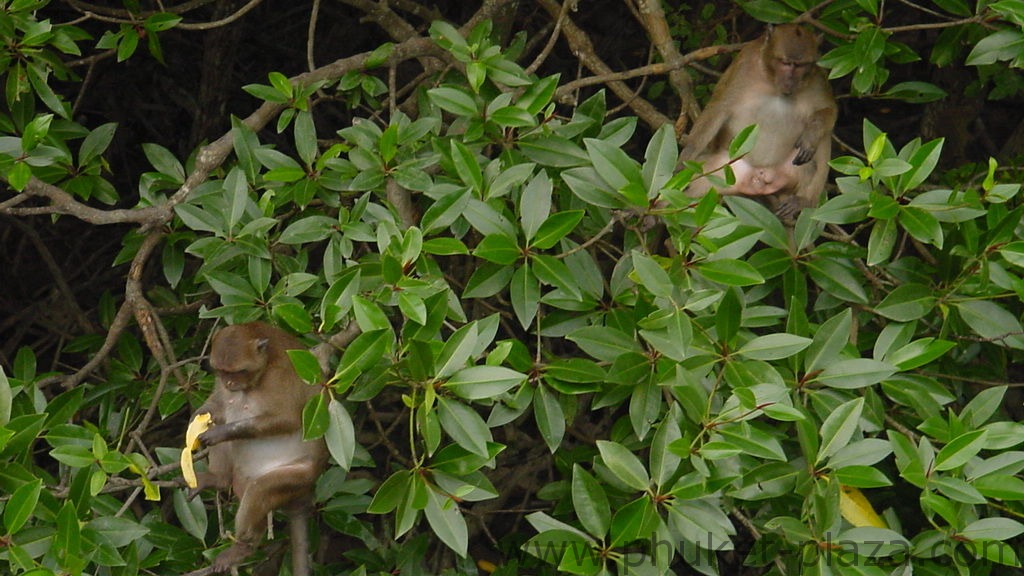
(705, 129)
(248, 428)
(819, 127)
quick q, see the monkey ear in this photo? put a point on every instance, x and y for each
(768, 29)
(261, 344)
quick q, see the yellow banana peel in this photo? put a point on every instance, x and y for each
(197, 426)
(857, 509)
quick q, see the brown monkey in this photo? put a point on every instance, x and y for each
(774, 82)
(256, 442)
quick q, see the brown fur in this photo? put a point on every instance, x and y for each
(257, 450)
(773, 82)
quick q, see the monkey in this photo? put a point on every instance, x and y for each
(775, 83)
(256, 445)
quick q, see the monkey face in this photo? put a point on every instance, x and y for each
(789, 74)
(238, 380)
(790, 53)
(238, 358)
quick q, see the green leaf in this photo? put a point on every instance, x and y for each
(444, 247)
(464, 425)
(651, 275)
(855, 373)
(553, 151)
(191, 514)
(957, 490)
(549, 417)
(730, 272)
(881, 241)
(21, 505)
(499, 249)
(308, 229)
(466, 166)
(390, 493)
(961, 449)
(340, 434)
(919, 353)
(164, 161)
(922, 225)
(553, 272)
(535, 205)
(525, 293)
(992, 529)
(617, 169)
(590, 502)
(604, 343)
(636, 520)
(907, 302)
(922, 163)
(862, 477)
(555, 227)
(295, 316)
(729, 316)
(999, 46)
(664, 462)
(6, 400)
(480, 382)
(829, 340)
(365, 351)
(837, 430)
(660, 160)
(512, 117)
(446, 520)
(774, 346)
(454, 101)
(306, 366)
(982, 406)
(315, 418)
(74, 456)
(754, 213)
(96, 143)
(624, 465)
(457, 350)
(838, 280)
(369, 316)
(990, 320)
(644, 407)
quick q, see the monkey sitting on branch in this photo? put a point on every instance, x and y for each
(255, 439)
(773, 83)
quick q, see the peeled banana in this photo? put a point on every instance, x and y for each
(197, 426)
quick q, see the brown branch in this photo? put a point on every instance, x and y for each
(120, 322)
(58, 275)
(657, 68)
(652, 16)
(583, 48)
(223, 21)
(63, 203)
(546, 51)
(126, 15)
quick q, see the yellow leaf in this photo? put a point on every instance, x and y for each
(856, 508)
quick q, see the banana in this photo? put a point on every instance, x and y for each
(197, 426)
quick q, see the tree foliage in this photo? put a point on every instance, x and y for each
(527, 376)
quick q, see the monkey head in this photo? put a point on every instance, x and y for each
(237, 358)
(789, 53)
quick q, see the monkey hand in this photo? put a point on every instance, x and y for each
(789, 208)
(214, 435)
(804, 154)
(232, 557)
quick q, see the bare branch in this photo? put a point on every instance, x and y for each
(583, 48)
